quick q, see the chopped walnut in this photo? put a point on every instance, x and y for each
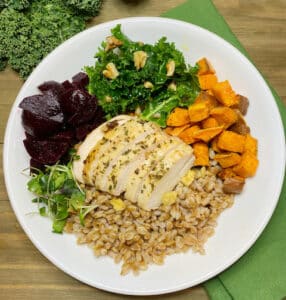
(140, 58)
(170, 68)
(110, 71)
(112, 42)
(148, 85)
(172, 86)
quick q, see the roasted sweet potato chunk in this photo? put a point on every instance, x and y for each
(201, 152)
(224, 115)
(224, 93)
(178, 117)
(205, 97)
(247, 166)
(207, 81)
(250, 144)
(242, 104)
(205, 67)
(233, 185)
(227, 160)
(188, 134)
(231, 141)
(198, 112)
(207, 134)
(175, 131)
(209, 123)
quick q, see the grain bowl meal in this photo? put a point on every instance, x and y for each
(138, 155)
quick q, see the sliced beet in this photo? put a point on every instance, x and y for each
(83, 130)
(42, 114)
(35, 165)
(80, 107)
(38, 126)
(67, 136)
(81, 80)
(51, 87)
(46, 151)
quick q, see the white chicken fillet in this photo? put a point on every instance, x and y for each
(131, 158)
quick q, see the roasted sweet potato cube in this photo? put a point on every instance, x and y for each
(233, 185)
(201, 152)
(209, 123)
(214, 144)
(224, 93)
(205, 97)
(231, 141)
(226, 173)
(198, 112)
(178, 117)
(205, 67)
(242, 104)
(207, 81)
(247, 166)
(240, 125)
(250, 144)
(175, 131)
(224, 115)
(187, 134)
(207, 134)
(227, 160)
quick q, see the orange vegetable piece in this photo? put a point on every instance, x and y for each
(187, 134)
(247, 166)
(227, 160)
(175, 131)
(209, 123)
(250, 144)
(201, 152)
(207, 81)
(205, 97)
(205, 67)
(224, 115)
(224, 93)
(214, 144)
(178, 117)
(226, 173)
(231, 141)
(210, 92)
(207, 134)
(198, 112)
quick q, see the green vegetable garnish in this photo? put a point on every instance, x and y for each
(58, 194)
(129, 90)
(30, 29)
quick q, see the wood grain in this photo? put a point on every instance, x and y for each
(24, 272)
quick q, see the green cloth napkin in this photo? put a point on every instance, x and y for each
(261, 273)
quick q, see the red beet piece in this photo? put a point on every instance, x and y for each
(79, 106)
(45, 151)
(51, 87)
(64, 136)
(80, 80)
(84, 129)
(42, 115)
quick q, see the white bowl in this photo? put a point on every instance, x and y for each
(238, 227)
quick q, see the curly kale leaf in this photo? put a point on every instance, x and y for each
(27, 37)
(15, 4)
(88, 8)
(128, 91)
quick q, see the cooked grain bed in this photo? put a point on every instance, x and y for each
(138, 238)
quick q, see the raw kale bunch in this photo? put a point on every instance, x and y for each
(88, 8)
(29, 30)
(149, 88)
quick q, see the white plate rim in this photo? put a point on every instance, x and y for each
(57, 263)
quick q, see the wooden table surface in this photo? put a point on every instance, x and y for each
(24, 272)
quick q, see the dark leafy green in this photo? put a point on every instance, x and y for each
(127, 92)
